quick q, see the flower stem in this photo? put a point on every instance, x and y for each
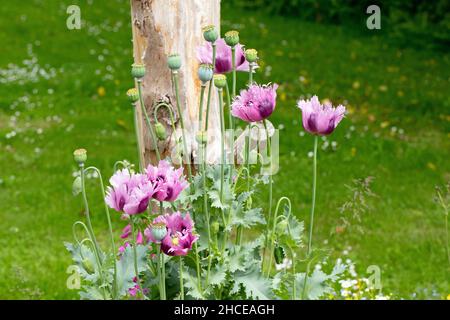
(108, 217)
(208, 100)
(181, 279)
(89, 224)
(138, 139)
(180, 115)
(222, 142)
(233, 62)
(311, 225)
(250, 74)
(149, 124)
(162, 264)
(133, 232)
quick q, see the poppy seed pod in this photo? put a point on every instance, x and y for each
(160, 131)
(138, 70)
(205, 72)
(80, 156)
(159, 231)
(220, 81)
(210, 33)
(174, 61)
(232, 38)
(251, 55)
(133, 95)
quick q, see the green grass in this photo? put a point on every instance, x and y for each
(384, 85)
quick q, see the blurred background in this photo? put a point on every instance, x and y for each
(63, 89)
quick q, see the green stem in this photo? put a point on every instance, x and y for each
(447, 238)
(162, 264)
(180, 115)
(108, 217)
(269, 154)
(138, 138)
(181, 279)
(149, 124)
(316, 138)
(233, 62)
(208, 100)
(222, 142)
(272, 234)
(172, 119)
(250, 74)
(133, 232)
(89, 224)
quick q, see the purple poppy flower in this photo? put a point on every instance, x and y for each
(129, 193)
(320, 119)
(169, 181)
(256, 103)
(179, 238)
(223, 57)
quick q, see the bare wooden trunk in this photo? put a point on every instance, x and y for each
(161, 28)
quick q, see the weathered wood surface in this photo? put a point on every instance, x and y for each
(161, 28)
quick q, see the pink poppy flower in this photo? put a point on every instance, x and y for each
(256, 103)
(179, 238)
(129, 193)
(223, 57)
(320, 119)
(169, 182)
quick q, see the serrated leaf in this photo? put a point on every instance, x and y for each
(254, 285)
(84, 257)
(217, 275)
(192, 285)
(125, 267)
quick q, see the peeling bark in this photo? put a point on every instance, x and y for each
(161, 28)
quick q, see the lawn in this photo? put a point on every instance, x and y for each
(63, 89)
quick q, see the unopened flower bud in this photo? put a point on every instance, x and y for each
(220, 81)
(251, 55)
(159, 231)
(88, 266)
(215, 227)
(205, 72)
(80, 156)
(279, 255)
(160, 131)
(174, 61)
(232, 38)
(133, 95)
(281, 226)
(201, 137)
(210, 33)
(138, 70)
(76, 186)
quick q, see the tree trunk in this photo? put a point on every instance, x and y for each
(161, 28)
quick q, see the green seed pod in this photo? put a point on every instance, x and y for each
(88, 266)
(251, 55)
(159, 231)
(210, 33)
(232, 38)
(160, 131)
(76, 186)
(278, 253)
(133, 95)
(215, 226)
(205, 72)
(80, 156)
(138, 70)
(174, 61)
(220, 81)
(201, 137)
